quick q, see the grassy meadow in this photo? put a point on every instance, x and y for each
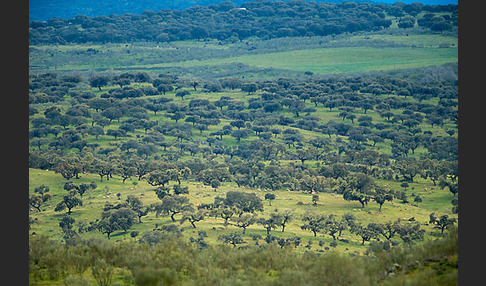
(345, 54)
(328, 60)
(435, 200)
(339, 60)
(388, 52)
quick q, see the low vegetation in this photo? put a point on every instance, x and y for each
(172, 261)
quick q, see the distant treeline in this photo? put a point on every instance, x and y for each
(47, 9)
(262, 19)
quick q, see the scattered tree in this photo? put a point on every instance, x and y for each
(442, 223)
(313, 222)
(269, 197)
(245, 220)
(99, 81)
(268, 224)
(232, 238)
(40, 197)
(68, 201)
(193, 217)
(172, 205)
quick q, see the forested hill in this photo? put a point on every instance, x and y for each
(42, 10)
(263, 19)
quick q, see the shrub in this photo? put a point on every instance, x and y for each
(102, 272)
(148, 276)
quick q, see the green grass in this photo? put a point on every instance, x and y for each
(325, 60)
(421, 50)
(435, 200)
(412, 40)
(338, 60)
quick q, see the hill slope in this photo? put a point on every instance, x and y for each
(261, 19)
(244, 160)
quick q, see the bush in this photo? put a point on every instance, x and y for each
(173, 258)
(148, 276)
(102, 272)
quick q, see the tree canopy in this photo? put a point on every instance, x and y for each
(255, 19)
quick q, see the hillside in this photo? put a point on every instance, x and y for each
(43, 10)
(261, 19)
(311, 152)
(252, 160)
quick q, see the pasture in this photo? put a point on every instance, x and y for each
(435, 200)
(320, 55)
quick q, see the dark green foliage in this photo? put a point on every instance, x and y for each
(182, 93)
(452, 186)
(158, 178)
(411, 232)
(268, 224)
(381, 195)
(283, 218)
(137, 206)
(315, 199)
(81, 188)
(113, 219)
(99, 81)
(66, 224)
(371, 231)
(245, 220)
(359, 189)
(232, 238)
(269, 197)
(313, 222)
(40, 197)
(333, 226)
(266, 19)
(172, 205)
(442, 222)
(68, 202)
(245, 202)
(193, 217)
